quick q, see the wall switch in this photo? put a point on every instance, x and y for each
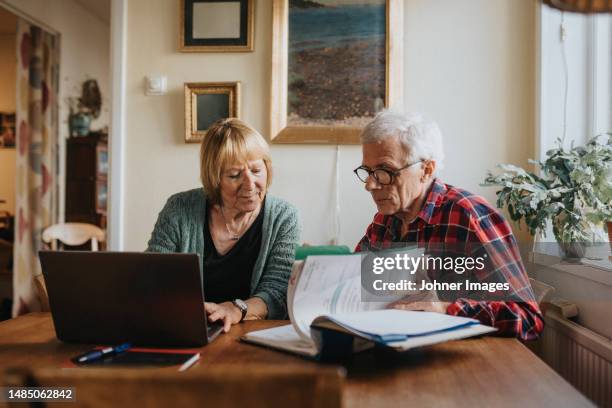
(156, 85)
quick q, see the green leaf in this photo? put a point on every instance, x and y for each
(574, 190)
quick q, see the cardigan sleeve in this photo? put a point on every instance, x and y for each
(166, 233)
(272, 288)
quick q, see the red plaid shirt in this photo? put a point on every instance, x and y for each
(454, 216)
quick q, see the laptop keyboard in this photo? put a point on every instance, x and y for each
(212, 329)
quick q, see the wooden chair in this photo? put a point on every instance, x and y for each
(228, 386)
(71, 233)
(74, 233)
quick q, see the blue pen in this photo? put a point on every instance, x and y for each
(97, 354)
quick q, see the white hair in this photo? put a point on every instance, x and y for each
(421, 139)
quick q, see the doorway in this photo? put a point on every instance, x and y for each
(8, 105)
(81, 110)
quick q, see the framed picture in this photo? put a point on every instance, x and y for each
(335, 64)
(216, 25)
(205, 103)
(7, 129)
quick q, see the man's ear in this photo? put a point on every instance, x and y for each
(429, 168)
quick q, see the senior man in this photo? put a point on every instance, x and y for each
(400, 157)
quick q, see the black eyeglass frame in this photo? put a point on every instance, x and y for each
(392, 173)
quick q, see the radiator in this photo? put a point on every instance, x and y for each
(581, 356)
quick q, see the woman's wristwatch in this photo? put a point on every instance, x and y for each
(242, 306)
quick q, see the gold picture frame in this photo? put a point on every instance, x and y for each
(205, 103)
(283, 132)
(241, 38)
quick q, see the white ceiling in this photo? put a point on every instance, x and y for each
(99, 8)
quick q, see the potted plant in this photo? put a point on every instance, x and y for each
(84, 109)
(573, 192)
(79, 118)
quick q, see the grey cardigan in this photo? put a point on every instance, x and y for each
(180, 228)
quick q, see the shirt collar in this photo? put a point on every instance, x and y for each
(434, 197)
(436, 193)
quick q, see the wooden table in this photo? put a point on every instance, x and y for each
(488, 371)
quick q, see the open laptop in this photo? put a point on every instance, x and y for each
(146, 299)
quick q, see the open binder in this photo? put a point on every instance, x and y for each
(329, 320)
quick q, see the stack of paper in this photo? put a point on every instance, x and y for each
(398, 329)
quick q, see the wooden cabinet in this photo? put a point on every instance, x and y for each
(87, 179)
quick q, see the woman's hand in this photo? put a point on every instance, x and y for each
(225, 311)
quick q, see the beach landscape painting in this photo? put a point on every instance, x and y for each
(336, 62)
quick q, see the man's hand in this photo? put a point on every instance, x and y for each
(424, 306)
(226, 311)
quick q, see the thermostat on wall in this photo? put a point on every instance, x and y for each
(156, 85)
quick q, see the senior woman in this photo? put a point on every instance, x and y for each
(245, 238)
(401, 155)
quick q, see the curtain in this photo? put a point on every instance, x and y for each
(36, 144)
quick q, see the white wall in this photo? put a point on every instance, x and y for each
(84, 54)
(468, 65)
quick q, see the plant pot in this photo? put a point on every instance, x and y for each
(79, 124)
(573, 250)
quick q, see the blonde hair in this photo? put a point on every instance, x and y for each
(229, 141)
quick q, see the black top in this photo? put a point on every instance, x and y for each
(228, 277)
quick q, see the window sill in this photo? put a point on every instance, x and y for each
(599, 271)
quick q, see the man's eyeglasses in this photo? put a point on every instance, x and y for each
(382, 176)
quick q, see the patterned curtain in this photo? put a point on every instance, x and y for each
(36, 187)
